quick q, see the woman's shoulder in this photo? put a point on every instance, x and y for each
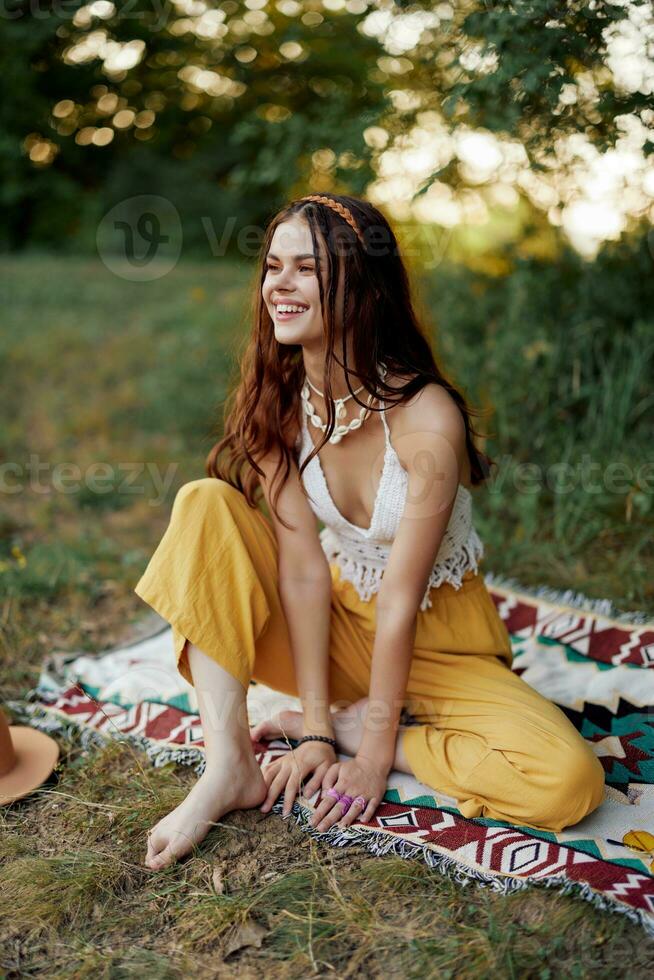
(433, 408)
(432, 401)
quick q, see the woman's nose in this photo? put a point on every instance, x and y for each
(285, 281)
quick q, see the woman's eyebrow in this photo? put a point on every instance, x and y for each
(306, 255)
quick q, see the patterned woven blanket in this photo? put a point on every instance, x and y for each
(596, 664)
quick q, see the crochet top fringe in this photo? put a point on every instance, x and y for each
(361, 553)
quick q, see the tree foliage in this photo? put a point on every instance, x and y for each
(227, 108)
(550, 78)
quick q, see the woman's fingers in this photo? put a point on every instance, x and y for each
(321, 810)
(315, 782)
(329, 807)
(282, 773)
(290, 792)
(369, 811)
(290, 772)
(331, 776)
(329, 810)
(274, 790)
(270, 771)
(331, 817)
(352, 814)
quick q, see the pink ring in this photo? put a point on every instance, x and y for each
(347, 802)
(335, 795)
(363, 803)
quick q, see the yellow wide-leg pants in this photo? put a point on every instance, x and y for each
(485, 737)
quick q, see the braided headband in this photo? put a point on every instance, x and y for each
(340, 209)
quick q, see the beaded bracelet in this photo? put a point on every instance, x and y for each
(317, 738)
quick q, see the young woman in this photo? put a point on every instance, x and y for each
(342, 414)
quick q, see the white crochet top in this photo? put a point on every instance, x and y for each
(361, 553)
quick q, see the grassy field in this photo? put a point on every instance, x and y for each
(96, 370)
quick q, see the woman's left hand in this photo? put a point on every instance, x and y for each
(354, 777)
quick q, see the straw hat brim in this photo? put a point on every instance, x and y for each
(36, 757)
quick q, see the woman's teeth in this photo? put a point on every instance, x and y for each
(288, 312)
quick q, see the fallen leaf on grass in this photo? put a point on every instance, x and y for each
(248, 933)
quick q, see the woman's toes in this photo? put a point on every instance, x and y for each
(163, 850)
(285, 722)
(152, 857)
(163, 846)
(162, 859)
(290, 723)
(262, 730)
(154, 846)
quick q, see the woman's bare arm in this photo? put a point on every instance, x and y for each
(391, 662)
(305, 592)
(430, 436)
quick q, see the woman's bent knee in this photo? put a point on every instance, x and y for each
(560, 789)
(578, 786)
(205, 495)
(206, 488)
(584, 782)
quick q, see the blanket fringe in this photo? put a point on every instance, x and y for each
(568, 597)
(375, 841)
(160, 754)
(380, 843)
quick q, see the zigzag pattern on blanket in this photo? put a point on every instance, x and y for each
(585, 656)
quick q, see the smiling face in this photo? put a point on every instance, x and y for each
(292, 280)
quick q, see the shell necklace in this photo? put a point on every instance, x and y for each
(339, 430)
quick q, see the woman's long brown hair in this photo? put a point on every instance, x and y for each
(262, 412)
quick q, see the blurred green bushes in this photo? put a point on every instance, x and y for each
(562, 347)
(557, 352)
(560, 353)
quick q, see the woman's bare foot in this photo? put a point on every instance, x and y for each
(283, 723)
(236, 784)
(348, 730)
(348, 726)
(347, 723)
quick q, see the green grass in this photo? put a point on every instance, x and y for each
(83, 904)
(98, 370)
